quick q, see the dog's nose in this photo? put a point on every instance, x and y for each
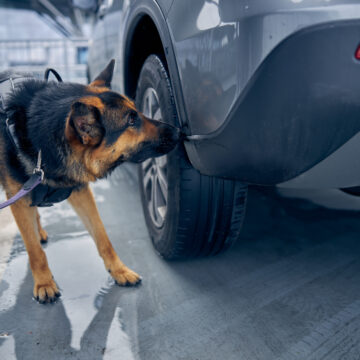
(169, 136)
(169, 132)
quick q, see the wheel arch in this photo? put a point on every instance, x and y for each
(143, 39)
(147, 22)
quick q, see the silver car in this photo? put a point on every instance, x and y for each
(267, 92)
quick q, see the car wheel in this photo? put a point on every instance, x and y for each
(187, 214)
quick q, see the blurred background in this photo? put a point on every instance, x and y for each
(36, 34)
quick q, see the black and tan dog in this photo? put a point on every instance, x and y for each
(83, 133)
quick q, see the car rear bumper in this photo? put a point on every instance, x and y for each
(301, 105)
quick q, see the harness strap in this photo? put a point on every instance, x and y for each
(56, 74)
(38, 174)
(10, 128)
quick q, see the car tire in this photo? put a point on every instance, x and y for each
(192, 214)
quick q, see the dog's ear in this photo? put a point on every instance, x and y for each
(86, 121)
(105, 77)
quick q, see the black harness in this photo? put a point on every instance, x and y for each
(45, 195)
(42, 194)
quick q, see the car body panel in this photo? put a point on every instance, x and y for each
(117, 23)
(220, 44)
(258, 107)
(338, 170)
(165, 5)
(97, 49)
(104, 48)
(293, 114)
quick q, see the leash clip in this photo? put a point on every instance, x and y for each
(38, 170)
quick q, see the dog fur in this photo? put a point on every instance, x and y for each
(84, 132)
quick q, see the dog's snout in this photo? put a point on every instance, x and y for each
(162, 138)
(168, 135)
(169, 132)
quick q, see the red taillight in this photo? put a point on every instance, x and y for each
(357, 53)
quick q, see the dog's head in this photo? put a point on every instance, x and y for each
(105, 129)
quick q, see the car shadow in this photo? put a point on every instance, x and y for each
(294, 272)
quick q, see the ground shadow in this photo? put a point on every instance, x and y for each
(44, 331)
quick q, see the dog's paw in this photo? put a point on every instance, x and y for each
(46, 293)
(126, 277)
(43, 236)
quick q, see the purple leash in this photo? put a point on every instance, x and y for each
(32, 183)
(35, 179)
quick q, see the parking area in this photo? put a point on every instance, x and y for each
(290, 289)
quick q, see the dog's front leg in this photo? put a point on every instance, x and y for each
(43, 234)
(45, 289)
(84, 204)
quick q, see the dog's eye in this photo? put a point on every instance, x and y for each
(132, 119)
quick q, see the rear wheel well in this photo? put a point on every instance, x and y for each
(144, 41)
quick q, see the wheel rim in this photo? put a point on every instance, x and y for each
(154, 170)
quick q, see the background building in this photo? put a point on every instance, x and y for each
(34, 36)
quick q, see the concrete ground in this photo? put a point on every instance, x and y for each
(290, 289)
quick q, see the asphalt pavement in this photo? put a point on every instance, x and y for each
(289, 289)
